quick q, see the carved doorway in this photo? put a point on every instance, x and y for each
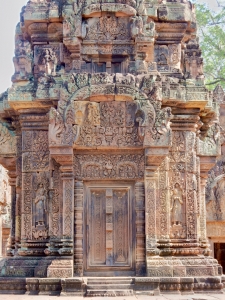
(109, 229)
(219, 254)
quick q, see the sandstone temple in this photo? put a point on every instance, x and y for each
(114, 150)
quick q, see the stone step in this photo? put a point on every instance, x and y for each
(109, 280)
(108, 293)
(111, 286)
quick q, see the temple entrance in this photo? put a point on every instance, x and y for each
(109, 229)
(219, 254)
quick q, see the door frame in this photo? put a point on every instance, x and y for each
(111, 270)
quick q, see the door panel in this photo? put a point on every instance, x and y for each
(109, 228)
(121, 226)
(97, 228)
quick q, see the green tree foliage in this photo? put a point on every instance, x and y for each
(211, 30)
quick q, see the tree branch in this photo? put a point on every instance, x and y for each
(214, 82)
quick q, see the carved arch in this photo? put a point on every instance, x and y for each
(97, 166)
(122, 165)
(107, 92)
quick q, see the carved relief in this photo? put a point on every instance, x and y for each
(161, 55)
(23, 60)
(126, 166)
(27, 206)
(107, 27)
(210, 144)
(177, 205)
(36, 152)
(215, 200)
(177, 186)
(71, 62)
(40, 208)
(112, 130)
(47, 59)
(174, 53)
(54, 199)
(68, 208)
(7, 140)
(193, 60)
(162, 214)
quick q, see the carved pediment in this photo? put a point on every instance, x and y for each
(127, 122)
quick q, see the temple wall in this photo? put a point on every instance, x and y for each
(110, 137)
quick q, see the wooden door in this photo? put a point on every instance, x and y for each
(109, 228)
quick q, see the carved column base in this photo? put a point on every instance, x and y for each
(33, 248)
(67, 247)
(61, 268)
(182, 266)
(53, 248)
(10, 246)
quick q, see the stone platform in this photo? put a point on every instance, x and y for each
(112, 286)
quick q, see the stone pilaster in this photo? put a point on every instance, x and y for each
(203, 235)
(140, 228)
(155, 157)
(11, 243)
(64, 265)
(35, 185)
(64, 157)
(68, 210)
(79, 229)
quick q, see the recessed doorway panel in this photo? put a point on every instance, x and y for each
(109, 229)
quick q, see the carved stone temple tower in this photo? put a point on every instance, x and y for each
(108, 134)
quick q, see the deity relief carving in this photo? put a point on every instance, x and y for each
(179, 175)
(47, 59)
(161, 55)
(50, 61)
(177, 208)
(177, 205)
(40, 207)
(62, 129)
(174, 55)
(193, 60)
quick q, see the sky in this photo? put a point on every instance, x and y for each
(9, 17)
